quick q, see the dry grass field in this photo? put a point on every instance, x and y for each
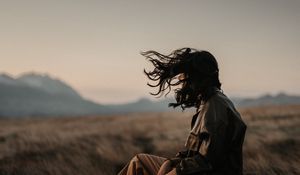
(100, 145)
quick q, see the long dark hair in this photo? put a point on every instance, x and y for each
(199, 71)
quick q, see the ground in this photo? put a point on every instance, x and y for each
(99, 145)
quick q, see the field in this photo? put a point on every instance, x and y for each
(103, 144)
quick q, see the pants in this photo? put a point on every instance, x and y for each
(143, 164)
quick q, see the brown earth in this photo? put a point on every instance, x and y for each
(103, 144)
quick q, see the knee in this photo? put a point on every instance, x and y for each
(138, 156)
(142, 155)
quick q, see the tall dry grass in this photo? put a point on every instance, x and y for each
(102, 145)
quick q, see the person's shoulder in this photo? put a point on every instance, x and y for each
(221, 105)
(216, 108)
(225, 103)
(220, 99)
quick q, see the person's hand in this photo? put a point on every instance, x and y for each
(168, 166)
(181, 154)
(165, 168)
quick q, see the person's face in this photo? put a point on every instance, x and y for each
(182, 76)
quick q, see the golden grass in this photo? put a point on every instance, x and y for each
(103, 144)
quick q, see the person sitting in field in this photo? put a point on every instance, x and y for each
(214, 144)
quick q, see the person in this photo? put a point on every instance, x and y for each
(214, 144)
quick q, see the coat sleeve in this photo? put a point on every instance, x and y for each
(209, 134)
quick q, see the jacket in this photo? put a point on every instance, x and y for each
(218, 133)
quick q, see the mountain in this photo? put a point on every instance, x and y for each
(142, 105)
(41, 95)
(6, 79)
(279, 99)
(48, 84)
(34, 94)
(240, 102)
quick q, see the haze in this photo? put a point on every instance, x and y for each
(94, 45)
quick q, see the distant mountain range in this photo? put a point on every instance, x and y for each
(279, 99)
(41, 95)
(34, 94)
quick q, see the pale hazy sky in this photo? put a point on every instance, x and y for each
(94, 45)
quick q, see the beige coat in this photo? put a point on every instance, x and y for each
(218, 132)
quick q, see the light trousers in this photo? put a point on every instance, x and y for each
(143, 164)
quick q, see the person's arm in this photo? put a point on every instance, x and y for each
(214, 144)
(168, 165)
(208, 138)
(165, 168)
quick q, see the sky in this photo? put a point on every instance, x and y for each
(95, 45)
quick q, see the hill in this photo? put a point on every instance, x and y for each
(40, 95)
(34, 94)
(278, 99)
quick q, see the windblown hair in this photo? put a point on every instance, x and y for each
(199, 69)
